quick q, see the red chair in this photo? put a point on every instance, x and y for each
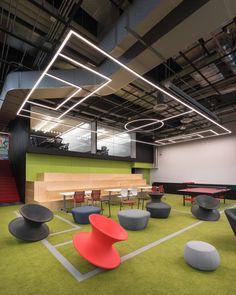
(221, 198)
(154, 189)
(125, 199)
(96, 197)
(79, 198)
(161, 189)
(97, 246)
(158, 189)
(191, 198)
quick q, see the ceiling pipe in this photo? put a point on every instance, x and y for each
(136, 14)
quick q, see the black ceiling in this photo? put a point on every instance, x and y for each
(206, 70)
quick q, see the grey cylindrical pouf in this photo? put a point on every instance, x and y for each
(81, 214)
(201, 255)
(133, 219)
(159, 210)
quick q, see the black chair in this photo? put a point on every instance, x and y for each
(31, 226)
(142, 197)
(57, 142)
(205, 208)
(231, 216)
(104, 150)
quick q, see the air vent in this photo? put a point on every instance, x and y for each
(186, 120)
(160, 107)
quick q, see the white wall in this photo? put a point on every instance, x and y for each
(209, 161)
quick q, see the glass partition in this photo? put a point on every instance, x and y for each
(113, 143)
(68, 134)
(78, 138)
(73, 134)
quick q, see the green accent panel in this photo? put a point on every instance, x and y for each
(39, 163)
(146, 175)
(142, 165)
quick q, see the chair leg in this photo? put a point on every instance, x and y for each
(109, 208)
(102, 208)
(120, 206)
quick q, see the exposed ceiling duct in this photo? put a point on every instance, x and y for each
(127, 97)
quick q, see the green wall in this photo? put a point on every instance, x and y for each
(38, 163)
(146, 175)
(142, 165)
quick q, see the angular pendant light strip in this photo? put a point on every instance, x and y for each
(58, 53)
(147, 81)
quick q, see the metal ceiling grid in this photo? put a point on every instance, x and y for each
(137, 99)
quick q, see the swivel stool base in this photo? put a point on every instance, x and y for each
(97, 246)
(31, 226)
(25, 231)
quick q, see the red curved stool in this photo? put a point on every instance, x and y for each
(97, 246)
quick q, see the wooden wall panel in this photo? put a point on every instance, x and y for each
(46, 191)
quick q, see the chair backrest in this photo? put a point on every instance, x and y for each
(58, 140)
(124, 192)
(79, 196)
(134, 192)
(96, 195)
(154, 189)
(158, 189)
(161, 188)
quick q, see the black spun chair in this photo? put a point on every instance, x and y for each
(31, 226)
(205, 208)
(231, 216)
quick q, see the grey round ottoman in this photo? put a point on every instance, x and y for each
(159, 210)
(81, 214)
(133, 219)
(201, 255)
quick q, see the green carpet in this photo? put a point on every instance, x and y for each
(29, 268)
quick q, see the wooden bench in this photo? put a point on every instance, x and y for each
(46, 190)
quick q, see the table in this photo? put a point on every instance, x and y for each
(71, 194)
(145, 188)
(110, 191)
(115, 190)
(143, 197)
(201, 190)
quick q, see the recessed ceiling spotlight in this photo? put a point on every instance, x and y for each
(186, 120)
(160, 107)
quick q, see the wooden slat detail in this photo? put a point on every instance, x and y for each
(46, 191)
(84, 176)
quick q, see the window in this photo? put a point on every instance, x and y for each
(113, 142)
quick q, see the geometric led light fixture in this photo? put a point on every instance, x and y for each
(186, 137)
(223, 130)
(140, 128)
